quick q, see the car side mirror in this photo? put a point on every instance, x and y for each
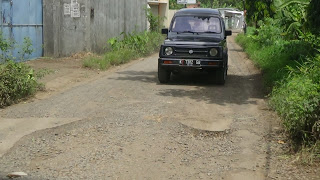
(165, 31)
(228, 32)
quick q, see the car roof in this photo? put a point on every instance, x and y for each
(198, 11)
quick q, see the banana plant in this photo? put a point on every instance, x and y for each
(294, 16)
(287, 3)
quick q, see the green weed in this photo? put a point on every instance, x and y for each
(310, 154)
(5, 46)
(26, 49)
(96, 62)
(43, 72)
(154, 21)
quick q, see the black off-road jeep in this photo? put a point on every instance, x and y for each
(196, 40)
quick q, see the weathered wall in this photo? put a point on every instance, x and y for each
(164, 12)
(100, 20)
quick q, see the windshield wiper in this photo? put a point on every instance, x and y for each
(187, 32)
(210, 32)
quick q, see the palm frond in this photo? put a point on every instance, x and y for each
(303, 2)
(293, 26)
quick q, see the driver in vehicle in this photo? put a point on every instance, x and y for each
(182, 25)
(198, 26)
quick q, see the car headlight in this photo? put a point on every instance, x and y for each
(213, 52)
(168, 51)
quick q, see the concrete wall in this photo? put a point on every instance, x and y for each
(100, 20)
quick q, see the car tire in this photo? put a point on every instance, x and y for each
(163, 75)
(221, 76)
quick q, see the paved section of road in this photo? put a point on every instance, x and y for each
(125, 125)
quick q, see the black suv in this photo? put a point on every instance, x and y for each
(196, 40)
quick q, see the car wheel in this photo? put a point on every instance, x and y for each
(221, 76)
(163, 75)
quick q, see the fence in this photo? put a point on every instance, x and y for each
(21, 19)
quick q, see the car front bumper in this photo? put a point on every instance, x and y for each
(190, 64)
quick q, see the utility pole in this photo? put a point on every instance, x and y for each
(244, 5)
(244, 17)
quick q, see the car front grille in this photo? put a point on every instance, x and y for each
(191, 52)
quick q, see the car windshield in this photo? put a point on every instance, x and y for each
(196, 24)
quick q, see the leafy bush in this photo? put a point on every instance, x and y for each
(269, 32)
(17, 81)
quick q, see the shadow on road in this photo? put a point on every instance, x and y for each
(237, 90)
(141, 76)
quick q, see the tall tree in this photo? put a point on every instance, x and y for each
(258, 10)
(313, 16)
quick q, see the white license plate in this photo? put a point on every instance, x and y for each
(191, 62)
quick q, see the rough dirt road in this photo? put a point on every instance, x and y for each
(127, 126)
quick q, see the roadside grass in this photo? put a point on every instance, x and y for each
(96, 62)
(291, 71)
(310, 154)
(123, 50)
(297, 100)
(274, 59)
